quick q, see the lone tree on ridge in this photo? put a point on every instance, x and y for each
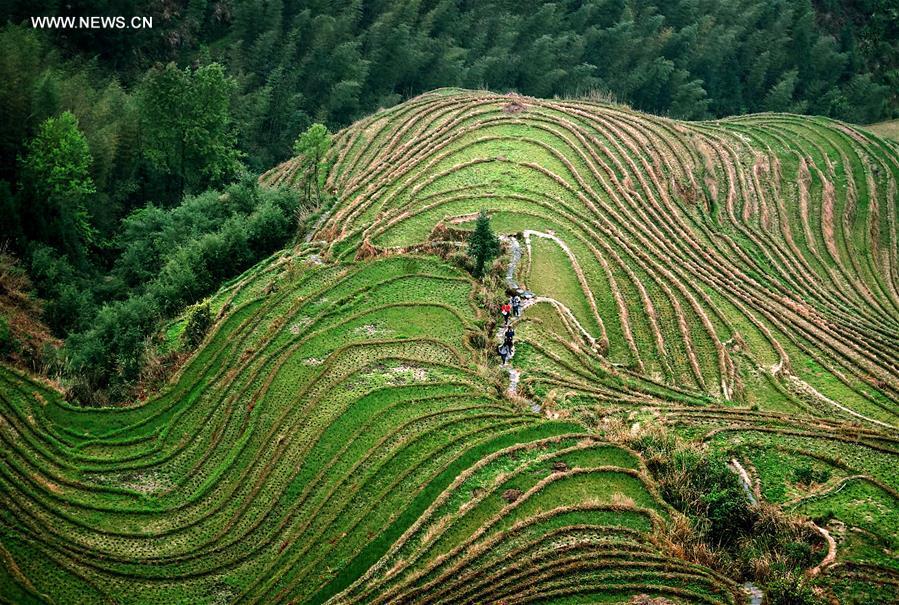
(483, 245)
(312, 145)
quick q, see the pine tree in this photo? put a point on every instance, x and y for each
(483, 246)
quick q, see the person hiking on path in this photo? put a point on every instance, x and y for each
(516, 305)
(506, 310)
(509, 336)
(503, 351)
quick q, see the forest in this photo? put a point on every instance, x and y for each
(129, 158)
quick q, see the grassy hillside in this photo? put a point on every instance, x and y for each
(344, 434)
(751, 260)
(888, 130)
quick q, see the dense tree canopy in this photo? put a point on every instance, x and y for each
(297, 62)
(56, 180)
(187, 127)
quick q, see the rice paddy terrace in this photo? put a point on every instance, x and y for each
(342, 436)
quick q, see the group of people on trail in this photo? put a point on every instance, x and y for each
(513, 307)
(508, 309)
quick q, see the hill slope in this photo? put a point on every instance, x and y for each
(342, 435)
(718, 257)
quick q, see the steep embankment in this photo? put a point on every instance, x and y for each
(337, 437)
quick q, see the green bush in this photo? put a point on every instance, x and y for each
(808, 475)
(791, 588)
(7, 343)
(198, 323)
(701, 485)
(747, 540)
(110, 353)
(169, 260)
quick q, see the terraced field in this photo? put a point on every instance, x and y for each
(339, 437)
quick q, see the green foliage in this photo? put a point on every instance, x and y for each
(168, 260)
(68, 294)
(106, 356)
(58, 159)
(199, 320)
(185, 115)
(483, 245)
(701, 485)
(42, 85)
(312, 146)
(22, 57)
(808, 475)
(56, 178)
(791, 588)
(755, 541)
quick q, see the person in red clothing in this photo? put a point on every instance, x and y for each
(506, 310)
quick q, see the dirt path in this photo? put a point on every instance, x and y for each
(745, 481)
(513, 381)
(515, 258)
(825, 490)
(812, 391)
(515, 254)
(831, 550)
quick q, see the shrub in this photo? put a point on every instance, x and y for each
(460, 259)
(699, 484)
(477, 340)
(791, 588)
(198, 323)
(808, 475)
(109, 354)
(740, 538)
(7, 343)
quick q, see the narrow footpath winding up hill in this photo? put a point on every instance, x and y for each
(338, 437)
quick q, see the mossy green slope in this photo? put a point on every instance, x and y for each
(336, 438)
(736, 279)
(334, 407)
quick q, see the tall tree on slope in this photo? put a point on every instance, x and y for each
(56, 183)
(483, 245)
(187, 128)
(312, 146)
